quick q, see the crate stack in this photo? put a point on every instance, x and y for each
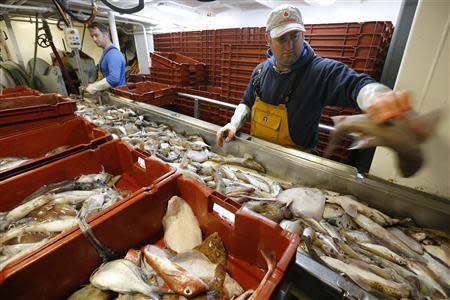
(154, 93)
(176, 69)
(361, 46)
(238, 63)
(207, 112)
(18, 91)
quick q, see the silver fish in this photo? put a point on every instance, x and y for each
(352, 207)
(428, 283)
(441, 271)
(381, 233)
(256, 181)
(442, 252)
(122, 276)
(403, 136)
(12, 162)
(407, 240)
(367, 279)
(23, 209)
(52, 226)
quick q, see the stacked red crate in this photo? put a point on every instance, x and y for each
(238, 62)
(18, 91)
(154, 93)
(208, 112)
(176, 69)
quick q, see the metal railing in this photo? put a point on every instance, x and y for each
(198, 99)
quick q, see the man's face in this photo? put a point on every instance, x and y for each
(287, 48)
(101, 39)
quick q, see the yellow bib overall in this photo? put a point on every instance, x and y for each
(270, 122)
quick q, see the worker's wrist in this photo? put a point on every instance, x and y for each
(370, 92)
(240, 116)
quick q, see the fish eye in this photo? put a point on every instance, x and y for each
(187, 291)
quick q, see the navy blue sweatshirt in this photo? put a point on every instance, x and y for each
(314, 82)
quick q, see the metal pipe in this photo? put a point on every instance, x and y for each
(14, 41)
(143, 59)
(27, 8)
(233, 106)
(113, 29)
(208, 100)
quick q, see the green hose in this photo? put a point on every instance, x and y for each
(20, 77)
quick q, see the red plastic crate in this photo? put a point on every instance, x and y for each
(376, 40)
(137, 169)
(349, 28)
(18, 91)
(26, 108)
(76, 134)
(148, 92)
(137, 222)
(175, 60)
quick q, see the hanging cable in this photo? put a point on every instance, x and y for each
(63, 10)
(121, 10)
(60, 9)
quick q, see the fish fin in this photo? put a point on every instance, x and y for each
(409, 166)
(359, 281)
(338, 119)
(363, 143)
(424, 126)
(350, 209)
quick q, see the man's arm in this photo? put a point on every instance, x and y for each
(242, 112)
(347, 87)
(115, 62)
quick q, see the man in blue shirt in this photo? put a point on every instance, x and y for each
(287, 93)
(112, 62)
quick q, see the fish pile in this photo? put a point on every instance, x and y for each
(13, 162)
(189, 154)
(186, 268)
(52, 209)
(383, 255)
(390, 258)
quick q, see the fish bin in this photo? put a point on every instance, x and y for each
(21, 152)
(27, 108)
(248, 238)
(44, 205)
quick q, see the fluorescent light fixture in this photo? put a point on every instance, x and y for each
(174, 8)
(320, 2)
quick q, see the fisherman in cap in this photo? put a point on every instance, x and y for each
(287, 92)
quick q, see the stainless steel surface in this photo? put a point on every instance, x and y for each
(290, 164)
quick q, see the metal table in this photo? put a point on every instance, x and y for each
(307, 279)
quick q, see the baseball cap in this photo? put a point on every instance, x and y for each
(282, 19)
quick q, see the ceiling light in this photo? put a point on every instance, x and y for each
(174, 8)
(320, 2)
